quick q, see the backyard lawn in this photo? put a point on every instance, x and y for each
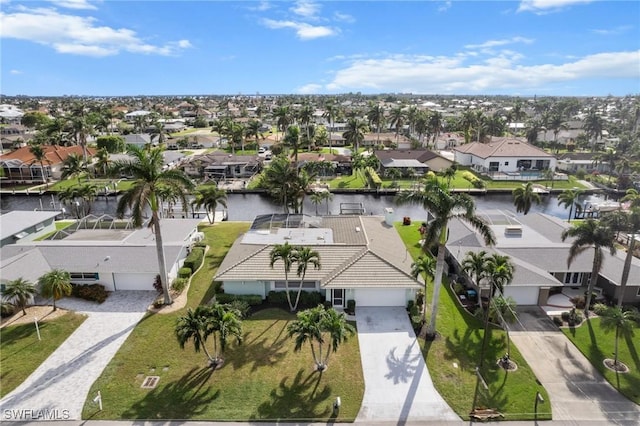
(453, 357)
(262, 379)
(21, 352)
(597, 345)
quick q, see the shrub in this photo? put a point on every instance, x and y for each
(113, 144)
(579, 302)
(184, 272)
(179, 284)
(373, 177)
(416, 322)
(217, 287)
(580, 174)
(92, 292)
(574, 317)
(410, 304)
(194, 260)
(420, 298)
(277, 297)
(157, 284)
(308, 299)
(459, 288)
(200, 244)
(413, 311)
(6, 309)
(240, 306)
(250, 299)
(558, 321)
(351, 305)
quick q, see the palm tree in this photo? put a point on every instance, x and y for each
(474, 265)
(319, 326)
(292, 140)
(146, 168)
(590, 234)
(102, 160)
(303, 257)
(424, 266)
(193, 326)
(283, 117)
(40, 156)
(19, 292)
(449, 173)
(556, 124)
(331, 113)
(55, 284)
(73, 166)
(436, 121)
(286, 253)
(632, 226)
(375, 116)
(305, 115)
(396, 119)
(317, 198)
(210, 197)
(354, 135)
(524, 197)
(444, 206)
(622, 321)
(499, 271)
(253, 130)
(569, 198)
(279, 180)
(593, 126)
(224, 322)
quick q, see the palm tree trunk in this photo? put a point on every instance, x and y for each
(286, 289)
(615, 351)
(295, 306)
(161, 261)
(626, 268)
(592, 280)
(437, 283)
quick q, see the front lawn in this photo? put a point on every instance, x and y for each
(597, 345)
(21, 352)
(453, 357)
(262, 379)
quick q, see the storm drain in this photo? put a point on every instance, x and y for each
(150, 382)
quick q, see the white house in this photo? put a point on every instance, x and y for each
(534, 244)
(118, 258)
(26, 225)
(362, 258)
(504, 155)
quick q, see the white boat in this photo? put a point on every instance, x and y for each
(607, 206)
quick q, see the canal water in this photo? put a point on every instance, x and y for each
(244, 207)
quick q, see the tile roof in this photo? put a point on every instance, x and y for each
(55, 154)
(502, 147)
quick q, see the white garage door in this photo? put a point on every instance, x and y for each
(134, 281)
(380, 297)
(523, 295)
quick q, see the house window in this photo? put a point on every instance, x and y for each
(84, 276)
(40, 227)
(506, 163)
(638, 292)
(294, 284)
(494, 166)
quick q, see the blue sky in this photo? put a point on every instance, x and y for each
(109, 47)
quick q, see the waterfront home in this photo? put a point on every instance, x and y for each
(21, 166)
(26, 225)
(418, 160)
(219, 165)
(362, 258)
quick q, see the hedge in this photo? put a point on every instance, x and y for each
(92, 292)
(194, 260)
(184, 272)
(251, 299)
(308, 299)
(373, 176)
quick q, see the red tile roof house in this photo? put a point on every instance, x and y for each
(21, 165)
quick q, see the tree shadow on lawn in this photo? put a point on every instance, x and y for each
(466, 349)
(260, 354)
(182, 399)
(303, 399)
(18, 333)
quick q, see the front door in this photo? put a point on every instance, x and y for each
(337, 297)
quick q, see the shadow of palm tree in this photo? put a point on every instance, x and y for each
(402, 369)
(260, 354)
(302, 399)
(182, 399)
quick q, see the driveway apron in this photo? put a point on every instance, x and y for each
(58, 388)
(578, 392)
(397, 383)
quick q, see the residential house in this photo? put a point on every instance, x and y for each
(534, 244)
(574, 161)
(139, 140)
(118, 258)
(419, 160)
(504, 155)
(220, 165)
(327, 165)
(362, 258)
(26, 225)
(21, 165)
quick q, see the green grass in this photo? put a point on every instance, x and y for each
(60, 224)
(354, 181)
(122, 184)
(21, 352)
(512, 393)
(597, 345)
(263, 379)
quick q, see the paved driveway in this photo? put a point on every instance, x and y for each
(532, 318)
(577, 391)
(397, 383)
(59, 387)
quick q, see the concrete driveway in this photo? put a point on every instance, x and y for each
(578, 392)
(58, 388)
(398, 387)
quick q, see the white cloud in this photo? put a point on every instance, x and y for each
(543, 6)
(303, 30)
(73, 4)
(261, 6)
(15, 72)
(444, 6)
(613, 31)
(502, 42)
(309, 89)
(79, 35)
(305, 8)
(457, 74)
(343, 17)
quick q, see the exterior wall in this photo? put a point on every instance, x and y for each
(510, 164)
(543, 295)
(438, 164)
(245, 287)
(35, 232)
(122, 281)
(462, 158)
